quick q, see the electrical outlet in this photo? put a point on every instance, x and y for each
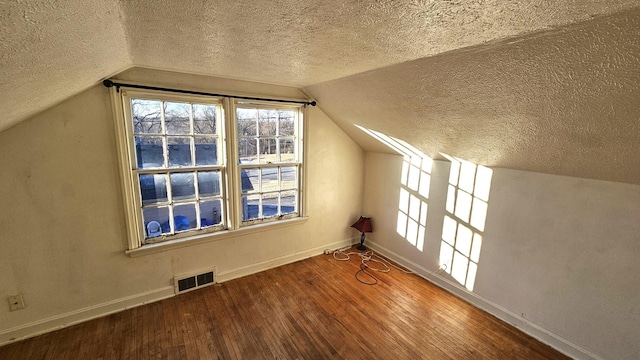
(16, 302)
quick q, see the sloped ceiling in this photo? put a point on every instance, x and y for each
(51, 50)
(562, 102)
(492, 81)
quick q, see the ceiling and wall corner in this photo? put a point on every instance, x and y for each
(300, 43)
(563, 102)
(491, 80)
(52, 50)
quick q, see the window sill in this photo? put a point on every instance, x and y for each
(205, 238)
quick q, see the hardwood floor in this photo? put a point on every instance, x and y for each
(311, 309)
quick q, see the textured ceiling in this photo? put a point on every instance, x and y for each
(564, 102)
(53, 49)
(301, 43)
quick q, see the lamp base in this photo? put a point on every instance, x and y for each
(361, 246)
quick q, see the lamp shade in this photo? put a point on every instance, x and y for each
(363, 225)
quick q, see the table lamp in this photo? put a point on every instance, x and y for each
(364, 226)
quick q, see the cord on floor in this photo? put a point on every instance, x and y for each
(367, 257)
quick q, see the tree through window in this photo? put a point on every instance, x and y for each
(192, 170)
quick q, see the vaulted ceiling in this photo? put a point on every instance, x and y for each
(547, 86)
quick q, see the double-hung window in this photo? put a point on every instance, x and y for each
(196, 165)
(269, 161)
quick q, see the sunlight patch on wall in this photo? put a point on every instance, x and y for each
(464, 222)
(415, 182)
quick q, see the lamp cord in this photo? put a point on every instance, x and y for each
(365, 258)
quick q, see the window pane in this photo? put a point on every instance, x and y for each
(248, 151)
(250, 204)
(270, 205)
(209, 183)
(250, 180)
(153, 188)
(287, 125)
(204, 119)
(179, 151)
(287, 150)
(267, 122)
(184, 216)
(179, 148)
(149, 152)
(146, 117)
(289, 176)
(176, 118)
(156, 220)
(182, 187)
(288, 202)
(247, 119)
(269, 179)
(267, 150)
(206, 151)
(210, 213)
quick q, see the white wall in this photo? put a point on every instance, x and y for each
(62, 222)
(559, 256)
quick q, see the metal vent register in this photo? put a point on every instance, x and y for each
(190, 282)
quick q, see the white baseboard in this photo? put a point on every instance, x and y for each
(81, 315)
(95, 311)
(287, 259)
(545, 336)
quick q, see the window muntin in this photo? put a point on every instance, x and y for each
(270, 158)
(181, 150)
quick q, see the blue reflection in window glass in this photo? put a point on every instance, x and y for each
(182, 187)
(153, 188)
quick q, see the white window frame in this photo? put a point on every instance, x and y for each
(297, 162)
(231, 186)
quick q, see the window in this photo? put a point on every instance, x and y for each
(198, 165)
(268, 161)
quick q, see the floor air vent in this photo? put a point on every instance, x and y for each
(188, 282)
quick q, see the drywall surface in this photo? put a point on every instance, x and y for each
(306, 42)
(57, 48)
(559, 253)
(54, 49)
(563, 102)
(571, 247)
(63, 238)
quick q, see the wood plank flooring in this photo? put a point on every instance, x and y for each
(311, 309)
